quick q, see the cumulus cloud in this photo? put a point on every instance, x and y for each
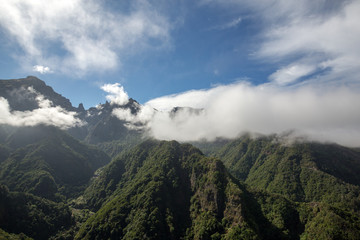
(41, 69)
(329, 114)
(88, 36)
(117, 94)
(46, 114)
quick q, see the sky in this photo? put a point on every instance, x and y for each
(262, 65)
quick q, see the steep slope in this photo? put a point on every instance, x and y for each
(103, 126)
(25, 214)
(165, 190)
(12, 236)
(46, 161)
(300, 171)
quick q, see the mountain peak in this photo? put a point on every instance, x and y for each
(20, 98)
(81, 107)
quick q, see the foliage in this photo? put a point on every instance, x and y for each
(12, 236)
(36, 217)
(113, 148)
(209, 148)
(165, 190)
(260, 189)
(299, 171)
(55, 164)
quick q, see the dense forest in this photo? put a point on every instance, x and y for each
(105, 181)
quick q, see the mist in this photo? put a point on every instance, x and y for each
(326, 114)
(45, 114)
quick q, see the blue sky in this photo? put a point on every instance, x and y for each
(179, 45)
(264, 66)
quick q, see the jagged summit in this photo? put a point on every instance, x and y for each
(81, 108)
(253, 187)
(21, 98)
(100, 125)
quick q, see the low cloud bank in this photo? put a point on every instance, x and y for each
(326, 114)
(46, 114)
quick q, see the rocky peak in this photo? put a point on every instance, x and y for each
(20, 98)
(81, 108)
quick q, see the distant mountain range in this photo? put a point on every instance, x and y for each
(103, 180)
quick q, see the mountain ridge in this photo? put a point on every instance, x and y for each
(106, 181)
(45, 159)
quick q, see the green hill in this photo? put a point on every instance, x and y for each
(300, 171)
(165, 190)
(23, 214)
(47, 162)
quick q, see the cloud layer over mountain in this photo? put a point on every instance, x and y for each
(315, 90)
(327, 114)
(46, 114)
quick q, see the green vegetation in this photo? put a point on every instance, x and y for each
(164, 190)
(248, 189)
(52, 166)
(12, 236)
(300, 171)
(210, 147)
(4, 153)
(23, 213)
(113, 148)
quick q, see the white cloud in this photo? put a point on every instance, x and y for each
(328, 114)
(143, 116)
(46, 114)
(87, 36)
(117, 94)
(193, 98)
(314, 33)
(41, 69)
(290, 74)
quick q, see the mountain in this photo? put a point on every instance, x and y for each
(27, 215)
(55, 185)
(20, 98)
(303, 171)
(167, 190)
(47, 162)
(163, 190)
(101, 126)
